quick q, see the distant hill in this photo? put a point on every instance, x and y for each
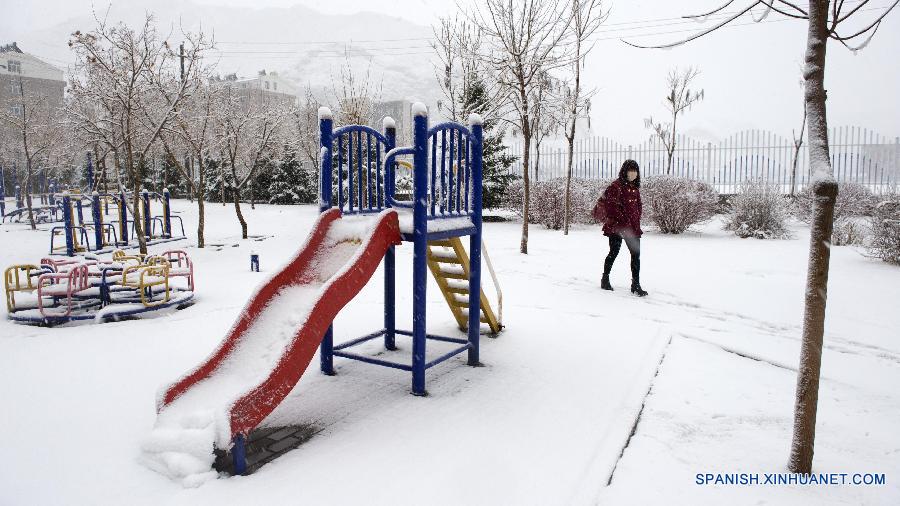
(298, 42)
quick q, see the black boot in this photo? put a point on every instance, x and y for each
(636, 288)
(604, 282)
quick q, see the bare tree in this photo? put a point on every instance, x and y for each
(125, 91)
(33, 126)
(679, 99)
(355, 95)
(458, 44)
(249, 131)
(825, 19)
(306, 121)
(192, 133)
(523, 41)
(549, 112)
(798, 144)
(587, 16)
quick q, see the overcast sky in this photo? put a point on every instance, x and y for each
(750, 73)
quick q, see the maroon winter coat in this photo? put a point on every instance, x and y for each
(623, 209)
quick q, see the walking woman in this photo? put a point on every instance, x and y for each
(623, 223)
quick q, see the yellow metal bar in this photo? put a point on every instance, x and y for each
(442, 277)
(12, 281)
(160, 271)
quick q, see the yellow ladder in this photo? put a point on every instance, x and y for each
(449, 264)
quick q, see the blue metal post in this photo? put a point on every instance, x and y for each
(123, 218)
(90, 173)
(2, 192)
(475, 242)
(390, 267)
(96, 213)
(67, 221)
(420, 240)
(167, 213)
(254, 262)
(80, 212)
(145, 198)
(19, 203)
(326, 349)
(239, 455)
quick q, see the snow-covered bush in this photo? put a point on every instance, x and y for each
(548, 200)
(675, 203)
(758, 210)
(885, 225)
(853, 199)
(848, 232)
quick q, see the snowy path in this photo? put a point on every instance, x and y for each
(544, 422)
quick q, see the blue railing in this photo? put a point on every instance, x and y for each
(359, 169)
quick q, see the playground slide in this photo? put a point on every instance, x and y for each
(268, 348)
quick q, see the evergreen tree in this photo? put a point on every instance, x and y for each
(496, 159)
(291, 183)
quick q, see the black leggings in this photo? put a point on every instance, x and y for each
(634, 247)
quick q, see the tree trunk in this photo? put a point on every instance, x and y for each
(798, 143)
(200, 221)
(201, 196)
(568, 202)
(138, 225)
(825, 191)
(526, 204)
(27, 189)
(237, 209)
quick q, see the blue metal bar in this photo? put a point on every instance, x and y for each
(359, 168)
(326, 355)
(443, 170)
(239, 455)
(350, 172)
(433, 337)
(146, 199)
(340, 173)
(475, 248)
(67, 220)
(452, 159)
(379, 197)
(358, 340)
(467, 346)
(460, 170)
(375, 361)
(98, 220)
(389, 166)
(468, 172)
(359, 129)
(433, 182)
(390, 262)
(420, 266)
(123, 218)
(449, 125)
(444, 234)
(167, 214)
(369, 169)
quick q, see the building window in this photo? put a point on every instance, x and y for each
(14, 66)
(15, 110)
(15, 87)
(267, 85)
(275, 86)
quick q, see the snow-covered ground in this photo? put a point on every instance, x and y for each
(705, 365)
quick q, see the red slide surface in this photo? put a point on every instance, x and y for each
(331, 294)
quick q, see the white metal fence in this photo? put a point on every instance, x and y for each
(857, 154)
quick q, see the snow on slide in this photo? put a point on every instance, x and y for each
(268, 348)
